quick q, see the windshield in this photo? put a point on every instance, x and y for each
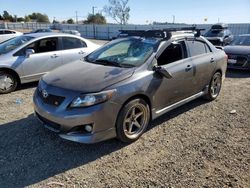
(241, 41)
(128, 52)
(14, 43)
(214, 33)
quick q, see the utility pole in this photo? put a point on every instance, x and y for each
(93, 10)
(93, 13)
(76, 18)
(173, 19)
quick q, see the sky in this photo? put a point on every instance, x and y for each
(142, 11)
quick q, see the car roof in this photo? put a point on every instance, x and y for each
(46, 34)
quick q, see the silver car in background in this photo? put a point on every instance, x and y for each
(26, 58)
(6, 34)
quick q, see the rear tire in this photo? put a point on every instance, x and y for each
(214, 87)
(8, 82)
(133, 120)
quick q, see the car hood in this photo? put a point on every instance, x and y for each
(86, 77)
(238, 50)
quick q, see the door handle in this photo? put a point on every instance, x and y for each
(188, 68)
(81, 52)
(212, 60)
(54, 56)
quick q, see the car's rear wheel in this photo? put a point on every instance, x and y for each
(8, 82)
(214, 87)
(133, 120)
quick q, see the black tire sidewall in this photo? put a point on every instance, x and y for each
(13, 79)
(209, 95)
(119, 124)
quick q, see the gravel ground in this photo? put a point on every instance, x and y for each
(197, 145)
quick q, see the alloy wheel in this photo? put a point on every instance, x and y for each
(136, 119)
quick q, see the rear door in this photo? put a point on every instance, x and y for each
(73, 49)
(203, 63)
(175, 60)
(47, 57)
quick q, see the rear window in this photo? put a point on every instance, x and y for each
(197, 48)
(72, 43)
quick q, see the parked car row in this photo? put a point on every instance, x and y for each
(92, 93)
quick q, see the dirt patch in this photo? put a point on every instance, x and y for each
(197, 145)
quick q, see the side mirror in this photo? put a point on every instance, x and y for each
(162, 71)
(29, 52)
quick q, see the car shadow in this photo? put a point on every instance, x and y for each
(27, 85)
(30, 154)
(237, 73)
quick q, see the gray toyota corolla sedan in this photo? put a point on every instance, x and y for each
(119, 88)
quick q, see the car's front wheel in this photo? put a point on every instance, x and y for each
(214, 87)
(133, 120)
(8, 82)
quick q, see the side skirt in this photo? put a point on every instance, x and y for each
(180, 103)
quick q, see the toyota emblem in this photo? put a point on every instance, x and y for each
(45, 93)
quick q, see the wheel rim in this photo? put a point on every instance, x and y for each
(135, 121)
(6, 82)
(216, 86)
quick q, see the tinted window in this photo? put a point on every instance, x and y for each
(71, 43)
(196, 48)
(8, 32)
(1, 32)
(174, 52)
(41, 46)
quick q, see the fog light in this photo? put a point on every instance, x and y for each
(88, 128)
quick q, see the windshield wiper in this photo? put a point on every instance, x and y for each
(107, 62)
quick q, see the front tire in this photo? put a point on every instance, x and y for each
(214, 87)
(133, 120)
(8, 82)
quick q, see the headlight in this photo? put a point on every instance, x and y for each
(92, 99)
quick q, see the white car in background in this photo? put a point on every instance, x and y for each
(26, 58)
(6, 34)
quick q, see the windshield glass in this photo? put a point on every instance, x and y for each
(14, 43)
(241, 41)
(214, 33)
(128, 52)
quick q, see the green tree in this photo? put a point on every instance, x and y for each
(20, 19)
(118, 10)
(70, 21)
(27, 19)
(95, 19)
(38, 17)
(7, 16)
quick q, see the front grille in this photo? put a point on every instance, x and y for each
(241, 60)
(49, 124)
(51, 99)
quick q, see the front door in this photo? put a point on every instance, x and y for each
(46, 57)
(171, 90)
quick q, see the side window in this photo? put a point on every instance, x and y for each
(196, 48)
(8, 32)
(72, 43)
(41, 46)
(1, 32)
(174, 52)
